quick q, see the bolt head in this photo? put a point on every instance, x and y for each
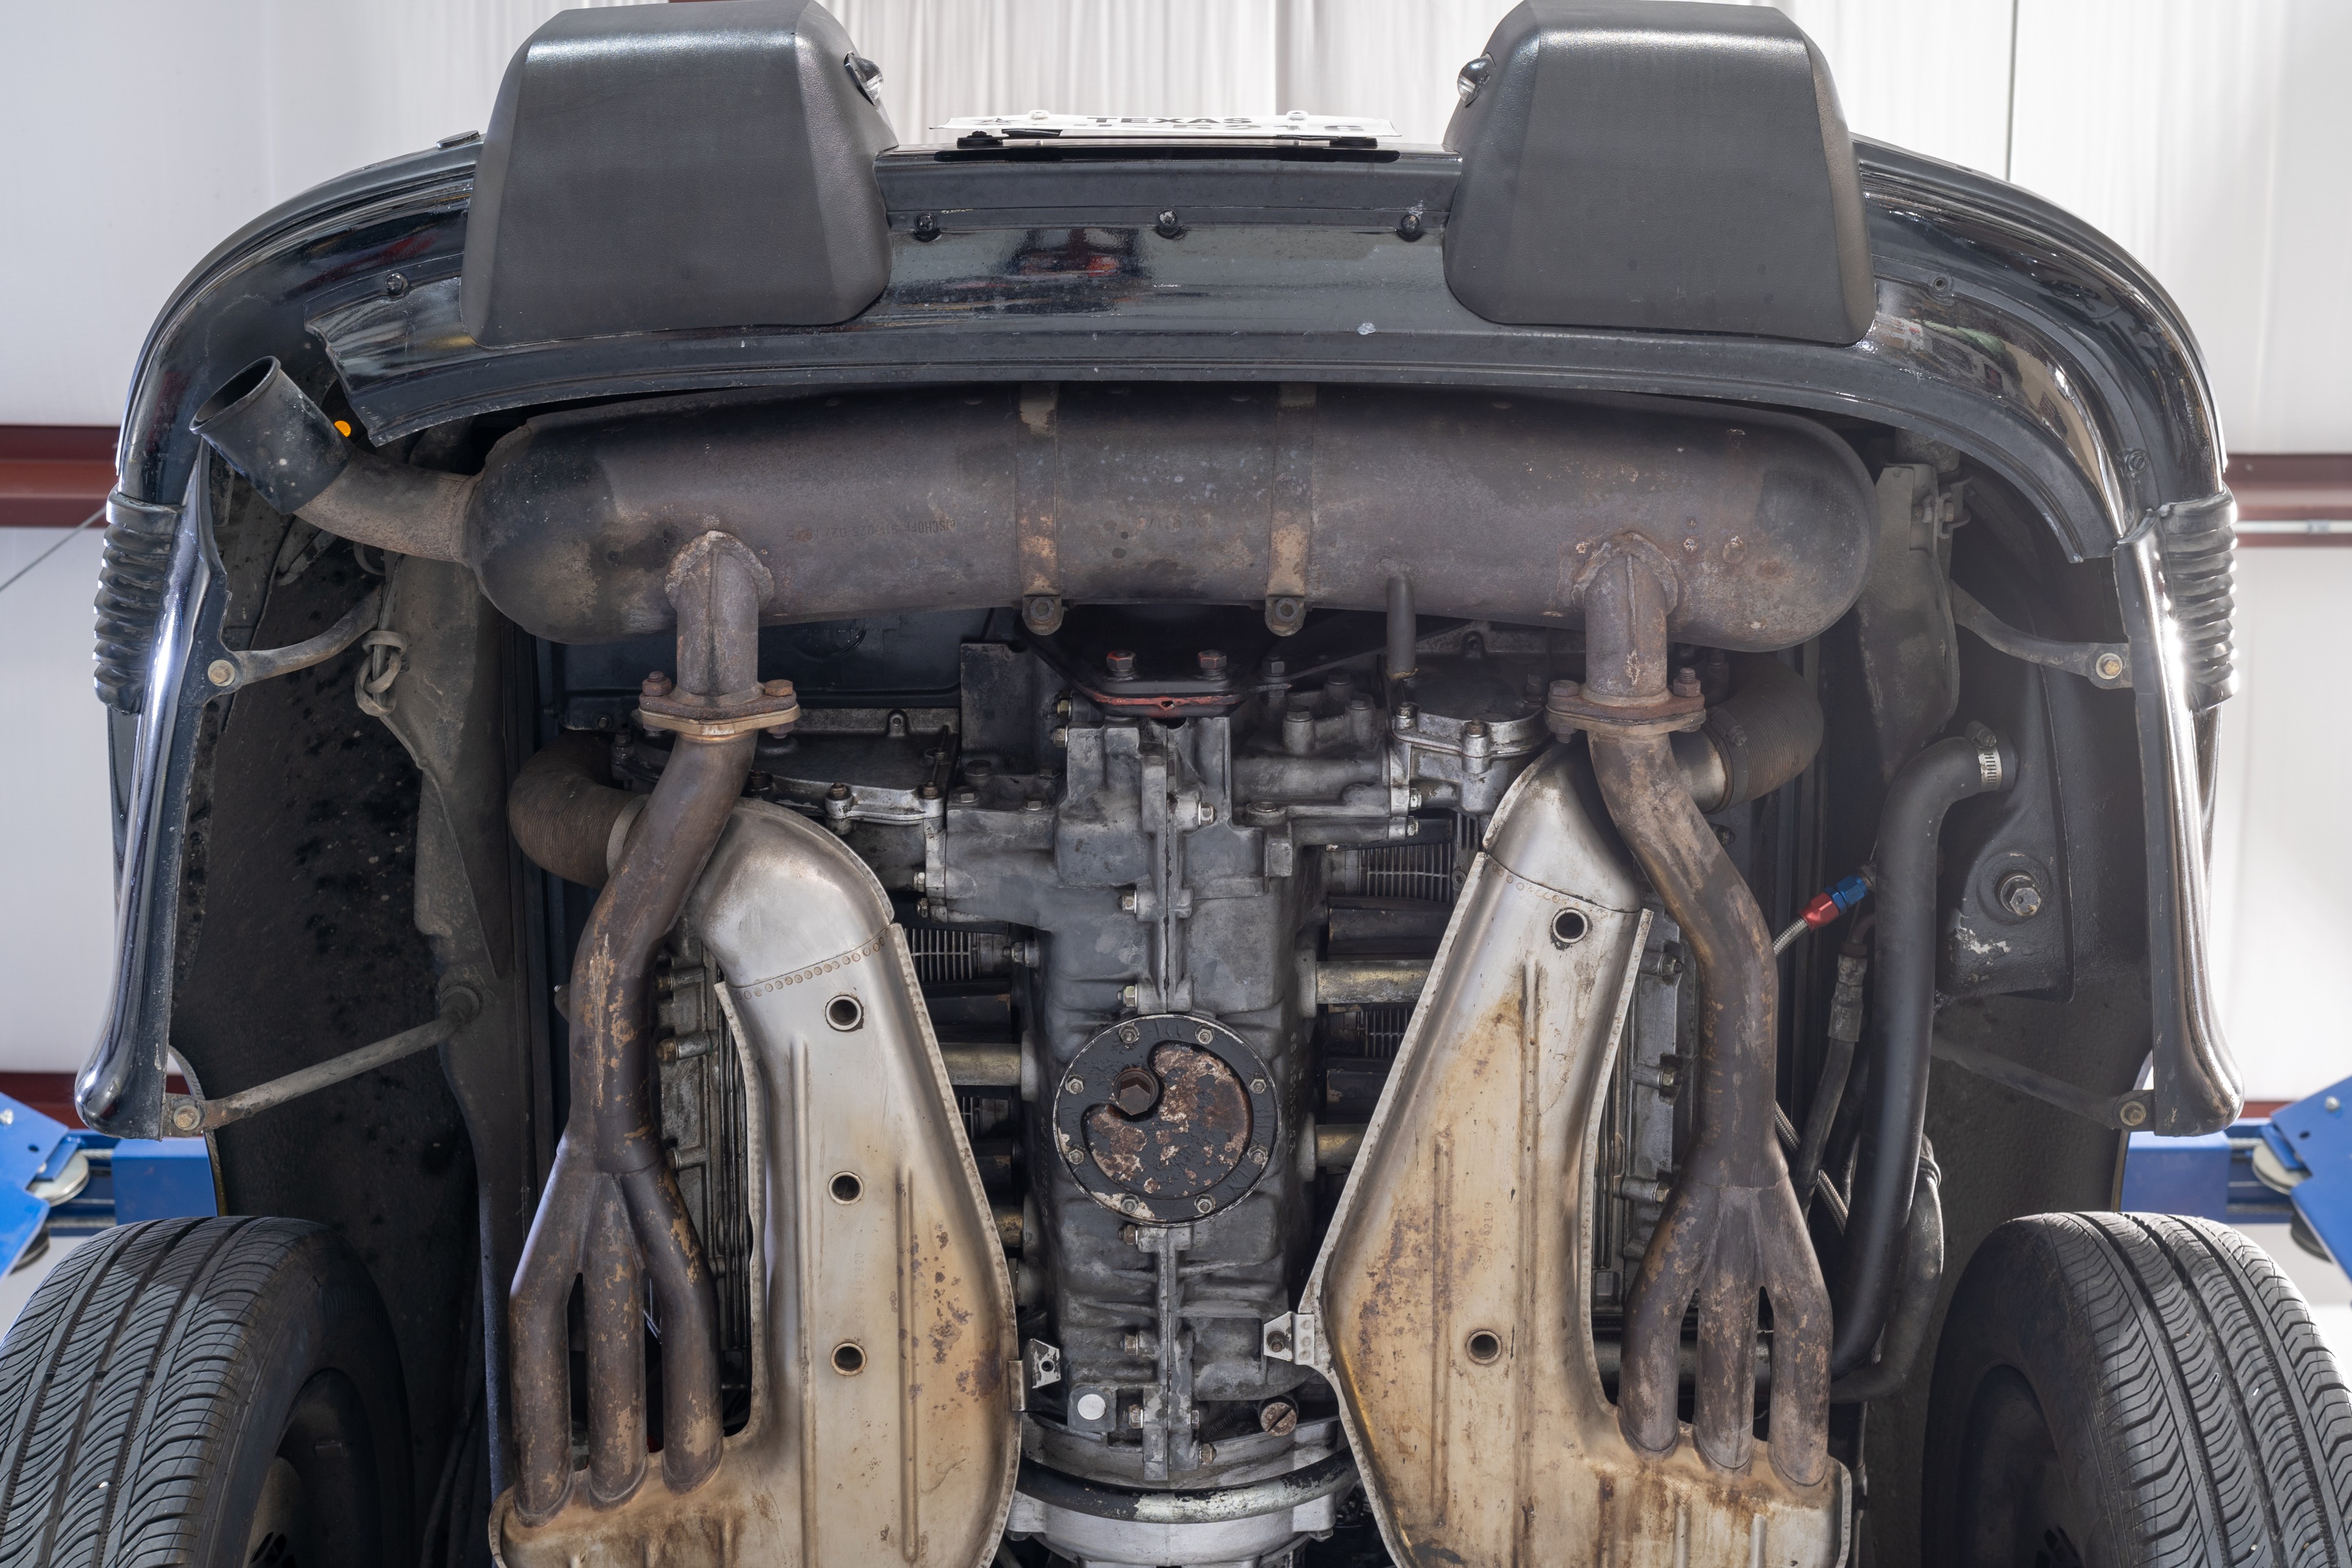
(838, 792)
(1275, 1339)
(1076, 1085)
(1203, 1204)
(1135, 1091)
(1205, 1035)
(1120, 662)
(2110, 665)
(1213, 661)
(2131, 1114)
(1126, 902)
(1686, 683)
(1128, 1033)
(221, 672)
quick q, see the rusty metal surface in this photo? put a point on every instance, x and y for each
(1731, 1226)
(1453, 1290)
(1166, 1118)
(885, 1371)
(932, 499)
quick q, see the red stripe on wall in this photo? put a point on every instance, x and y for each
(54, 475)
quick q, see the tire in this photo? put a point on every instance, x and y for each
(2129, 1390)
(204, 1392)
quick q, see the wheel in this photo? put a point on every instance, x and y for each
(2129, 1390)
(204, 1392)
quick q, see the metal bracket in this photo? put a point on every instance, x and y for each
(1296, 1337)
(187, 1116)
(231, 672)
(2122, 1112)
(2107, 665)
(1042, 1363)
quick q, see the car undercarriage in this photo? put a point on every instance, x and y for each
(1223, 861)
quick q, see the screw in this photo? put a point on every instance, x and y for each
(1203, 1204)
(1130, 1205)
(2131, 1112)
(1276, 1340)
(1126, 900)
(927, 227)
(186, 1118)
(1279, 1417)
(1074, 1156)
(1167, 227)
(1257, 1085)
(2020, 894)
(2110, 666)
(1126, 999)
(1120, 662)
(221, 672)
(1205, 1035)
(1408, 228)
(1258, 1154)
(657, 684)
(1076, 1085)
(1213, 661)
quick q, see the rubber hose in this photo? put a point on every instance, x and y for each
(1902, 1017)
(1915, 1298)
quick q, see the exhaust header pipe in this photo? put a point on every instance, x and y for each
(971, 497)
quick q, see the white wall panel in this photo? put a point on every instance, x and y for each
(1073, 56)
(1930, 75)
(2282, 847)
(56, 838)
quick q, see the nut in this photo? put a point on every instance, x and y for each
(1120, 662)
(1213, 661)
(656, 685)
(1686, 683)
(2021, 894)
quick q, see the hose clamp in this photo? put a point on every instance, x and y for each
(1988, 745)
